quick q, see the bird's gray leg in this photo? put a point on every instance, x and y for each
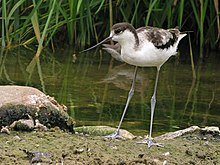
(130, 94)
(153, 103)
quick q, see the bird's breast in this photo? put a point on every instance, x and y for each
(146, 56)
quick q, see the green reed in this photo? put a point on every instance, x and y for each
(200, 19)
(82, 23)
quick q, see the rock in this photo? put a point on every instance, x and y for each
(210, 130)
(23, 125)
(172, 135)
(40, 126)
(19, 102)
(103, 130)
(37, 156)
(5, 130)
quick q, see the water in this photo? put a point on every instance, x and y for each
(94, 88)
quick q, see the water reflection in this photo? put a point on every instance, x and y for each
(95, 88)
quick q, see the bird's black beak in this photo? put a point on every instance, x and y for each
(107, 39)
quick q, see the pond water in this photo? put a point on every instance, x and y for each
(94, 88)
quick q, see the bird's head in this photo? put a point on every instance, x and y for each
(123, 32)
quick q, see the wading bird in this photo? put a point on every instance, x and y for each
(142, 47)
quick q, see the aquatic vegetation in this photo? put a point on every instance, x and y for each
(80, 23)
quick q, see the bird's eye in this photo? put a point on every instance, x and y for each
(117, 31)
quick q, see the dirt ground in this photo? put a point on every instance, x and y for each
(58, 147)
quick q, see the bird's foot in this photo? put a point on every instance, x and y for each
(115, 135)
(149, 142)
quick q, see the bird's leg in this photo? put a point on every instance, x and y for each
(153, 103)
(149, 140)
(130, 94)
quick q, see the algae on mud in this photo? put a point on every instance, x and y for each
(67, 148)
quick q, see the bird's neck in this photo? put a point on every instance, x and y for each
(131, 41)
(136, 38)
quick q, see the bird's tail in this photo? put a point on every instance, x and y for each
(181, 35)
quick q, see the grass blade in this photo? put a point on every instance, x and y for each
(32, 64)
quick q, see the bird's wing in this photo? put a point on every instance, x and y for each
(114, 50)
(160, 38)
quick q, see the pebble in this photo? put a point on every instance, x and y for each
(201, 155)
(189, 152)
(164, 162)
(156, 162)
(114, 147)
(166, 154)
(17, 138)
(141, 155)
(78, 151)
(5, 130)
(40, 126)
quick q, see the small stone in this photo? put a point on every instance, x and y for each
(189, 152)
(201, 155)
(192, 162)
(5, 130)
(23, 125)
(156, 162)
(40, 126)
(164, 162)
(166, 154)
(17, 138)
(114, 147)
(87, 135)
(204, 138)
(141, 155)
(206, 143)
(78, 151)
(121, 162)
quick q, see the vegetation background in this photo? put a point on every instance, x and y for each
(80, 23)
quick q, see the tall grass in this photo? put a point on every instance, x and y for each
(81, 23)
(200, 19)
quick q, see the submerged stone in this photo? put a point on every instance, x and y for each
(103, 131)
(21, 103)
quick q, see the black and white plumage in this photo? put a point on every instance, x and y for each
(142, 47)
(146, 46)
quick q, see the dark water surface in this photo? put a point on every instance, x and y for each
(94, 88)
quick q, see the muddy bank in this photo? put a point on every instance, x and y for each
(57, 144)
(58, 147)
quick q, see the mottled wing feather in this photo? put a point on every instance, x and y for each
(161, 38)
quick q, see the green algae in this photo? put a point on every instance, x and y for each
(48, 116)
